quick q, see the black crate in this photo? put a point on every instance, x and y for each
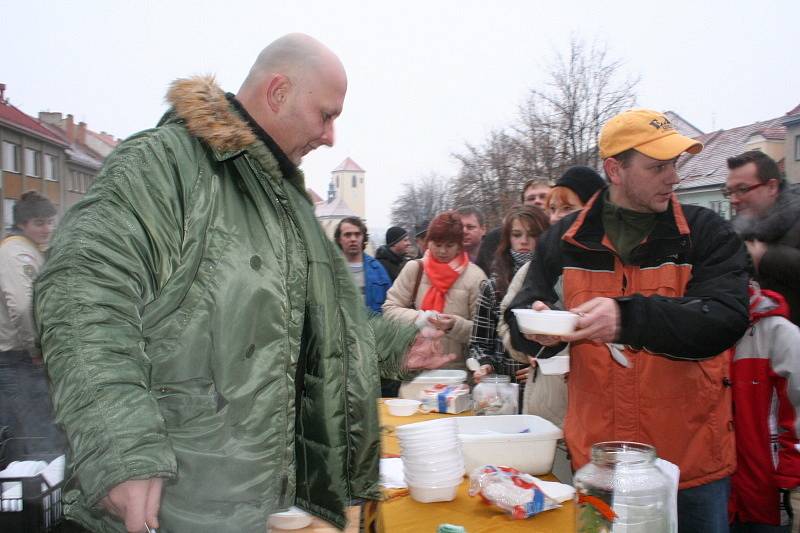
(37, 510)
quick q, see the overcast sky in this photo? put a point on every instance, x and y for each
(424, 76)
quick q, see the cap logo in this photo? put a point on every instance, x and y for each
(662, 124)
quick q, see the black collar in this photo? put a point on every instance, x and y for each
(288, 168)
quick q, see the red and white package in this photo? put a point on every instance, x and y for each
(515, 492)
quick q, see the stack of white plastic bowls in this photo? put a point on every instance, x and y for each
(432, 459)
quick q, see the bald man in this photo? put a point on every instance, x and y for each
(211, 359)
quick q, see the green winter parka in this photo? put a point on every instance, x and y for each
(197, 325)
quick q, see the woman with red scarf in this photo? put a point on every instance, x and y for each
(443, 282)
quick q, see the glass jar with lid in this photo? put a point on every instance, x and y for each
(496, 395)
(622, 490)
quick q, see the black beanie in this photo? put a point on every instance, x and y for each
(583, 181)
(394, 235)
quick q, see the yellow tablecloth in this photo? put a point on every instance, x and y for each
(404, 515)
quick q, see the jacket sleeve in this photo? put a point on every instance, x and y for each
(17, 272)
(392, 341)
(482, 342)
(502, 326)
(782, 264)
(784, 358)
(711, 316)
(462, 328)
(543, 273)
(110, 256)
(398, 305)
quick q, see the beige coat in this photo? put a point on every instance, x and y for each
(547, 396)
(20, 262)
(460, 302)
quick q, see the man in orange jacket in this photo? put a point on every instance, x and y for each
(667, 285)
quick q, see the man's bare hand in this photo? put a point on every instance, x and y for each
(135, 502)
(426, 352)
(599, 321)
(544, 340)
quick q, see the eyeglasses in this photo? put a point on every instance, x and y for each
(741, 191)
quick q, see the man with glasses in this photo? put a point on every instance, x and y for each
(768, 219)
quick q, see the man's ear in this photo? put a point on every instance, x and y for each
(278, 91)
(611, 167)
(774, 187)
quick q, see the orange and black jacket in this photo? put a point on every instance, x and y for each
(683, 300)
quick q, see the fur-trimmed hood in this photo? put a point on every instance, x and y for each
(223, 124)
(208, 114)
(780, 219)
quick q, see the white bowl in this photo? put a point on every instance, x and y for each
(556, 365)
(293, 518)
(399, 407)
(434, 459)
(547, 322)
(434, 478)
(424, 494)
(429, 426)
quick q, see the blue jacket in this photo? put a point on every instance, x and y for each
(376, 283)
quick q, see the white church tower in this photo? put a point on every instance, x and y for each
(348, 179)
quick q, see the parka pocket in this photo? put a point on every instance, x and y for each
(181, 410)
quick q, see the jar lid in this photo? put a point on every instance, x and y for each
(496, 378)
(621, 452)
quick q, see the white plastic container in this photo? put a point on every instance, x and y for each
(556, 365)
(549, 322)
(293, 518)
(425, 494)
(412, 390)
(402, 407)
(524, 442)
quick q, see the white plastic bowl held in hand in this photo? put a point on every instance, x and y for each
(556, 365)
(293, 518)
(547, 322)
(398, 407)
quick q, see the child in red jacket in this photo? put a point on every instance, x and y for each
(766, 403)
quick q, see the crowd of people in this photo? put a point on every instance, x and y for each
(213, 357)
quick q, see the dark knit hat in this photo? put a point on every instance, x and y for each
(583, 181)
(394, 235)
(421, 230)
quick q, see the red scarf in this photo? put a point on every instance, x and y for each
(442, 276)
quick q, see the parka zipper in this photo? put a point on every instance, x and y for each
(280, 211)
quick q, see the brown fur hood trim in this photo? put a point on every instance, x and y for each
(202, 105)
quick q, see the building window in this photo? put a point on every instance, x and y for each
(797, 148)
(32, 163)
(354, 181)
(10, 157)
(50, 169)
(8, 212)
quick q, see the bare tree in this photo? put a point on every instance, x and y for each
(558, 126)
(489, 178)
(561, 122)
(420, 201)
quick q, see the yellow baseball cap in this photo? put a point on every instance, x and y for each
(649, 132)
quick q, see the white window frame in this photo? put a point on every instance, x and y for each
(50, 167)
(12, 157)
(36, 172)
